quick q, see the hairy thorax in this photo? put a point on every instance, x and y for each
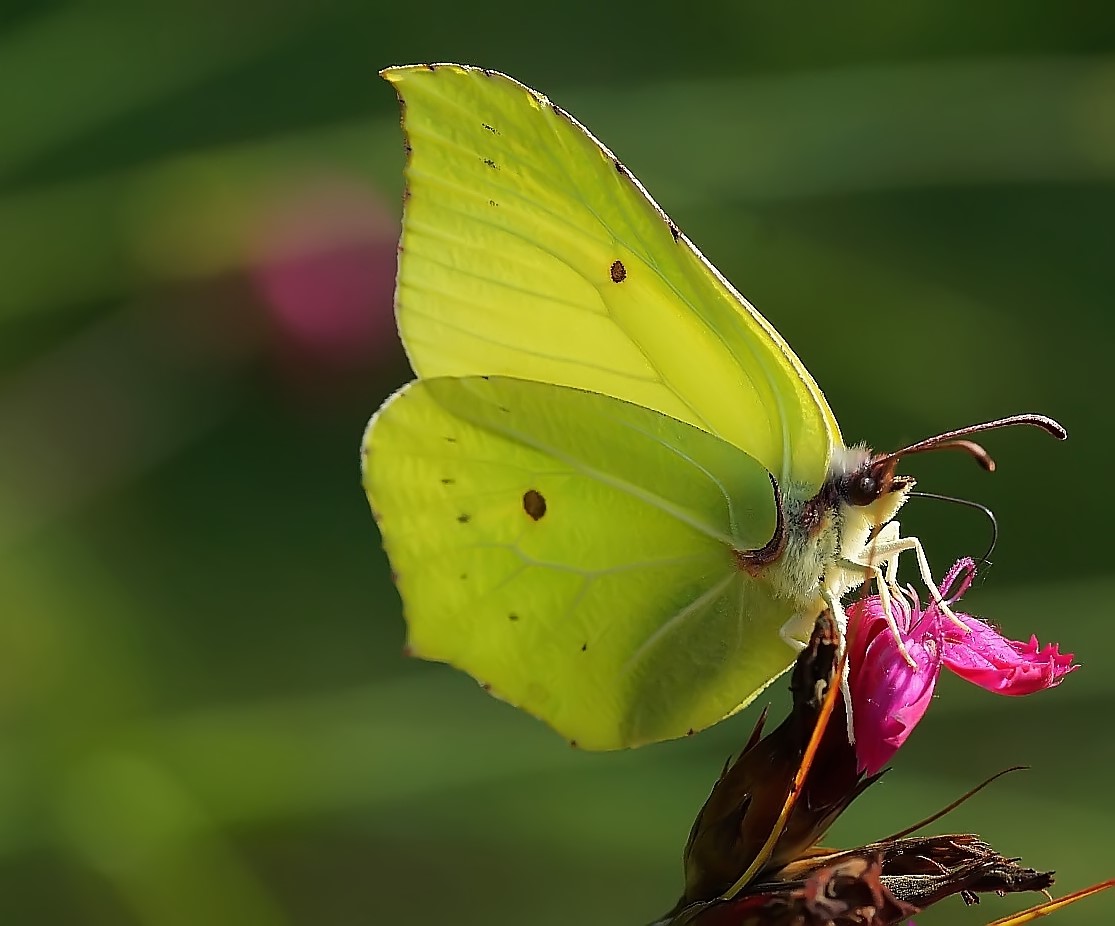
(823, 533)
(813, 535)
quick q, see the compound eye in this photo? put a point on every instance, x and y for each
(862, 490)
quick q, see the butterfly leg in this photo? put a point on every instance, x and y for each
(789, 633)
(888, 550)
(841, 618)
(870, 571)
(890, 532)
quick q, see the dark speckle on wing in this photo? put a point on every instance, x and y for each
(534, 504)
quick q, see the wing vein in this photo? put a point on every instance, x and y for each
(678, 452)
(531, 352)
(622, 485)
(630, 664)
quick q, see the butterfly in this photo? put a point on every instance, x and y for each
(613, 495)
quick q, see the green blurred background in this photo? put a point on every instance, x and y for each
(204, 710)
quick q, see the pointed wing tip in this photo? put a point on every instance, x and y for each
(395, 73)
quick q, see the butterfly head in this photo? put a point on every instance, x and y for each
(862, 479)
(868, 481)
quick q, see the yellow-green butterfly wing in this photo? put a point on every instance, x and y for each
(574, 553)
(528, 250)
(568, 491)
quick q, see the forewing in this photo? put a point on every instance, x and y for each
(574, 553)
(528, 250)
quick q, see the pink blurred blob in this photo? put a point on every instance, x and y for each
(325, 270)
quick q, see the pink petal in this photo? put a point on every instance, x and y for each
(964, 570)
(986, 658)
(889, 697)
(865, 620)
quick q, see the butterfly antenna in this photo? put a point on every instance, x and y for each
(957, 439)
(985, 560)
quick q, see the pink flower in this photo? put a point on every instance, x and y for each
(889, 697)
